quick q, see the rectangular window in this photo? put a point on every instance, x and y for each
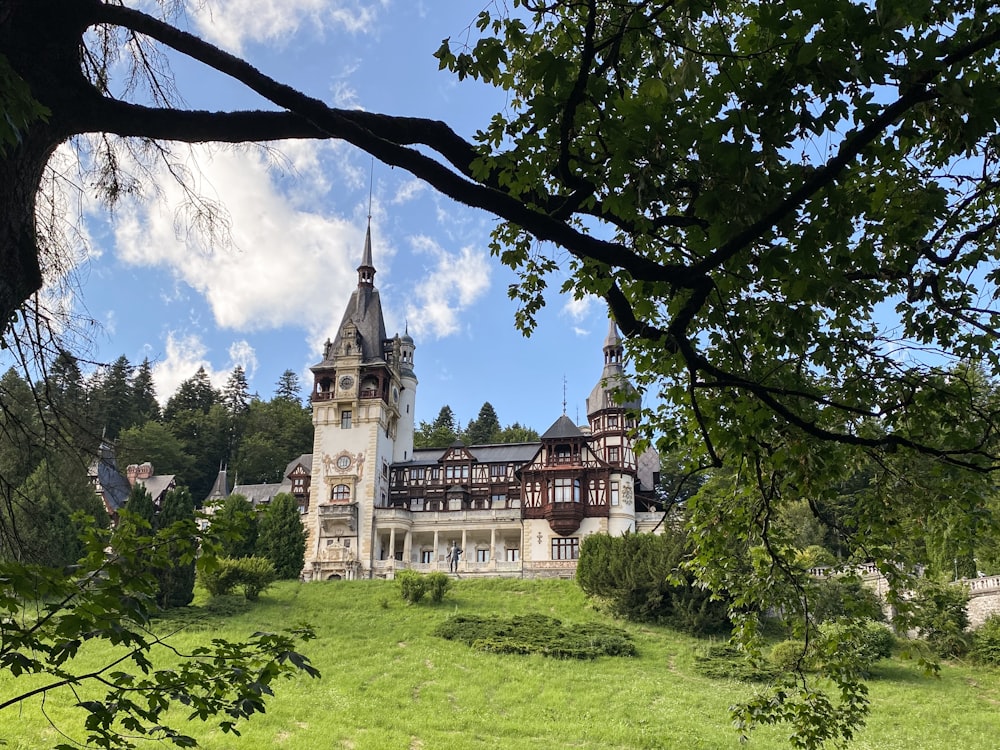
(613, 454)
(513, 554)
(612, 420)
(498, 471)
(498, 500)
(426, 556)
(416, 475)
(566, 548)
(436, 474)
(614, 493)
(345, 419)
(565, 490)
(482, 555)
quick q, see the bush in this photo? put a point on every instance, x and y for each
(726, 662)
(537, 634)
(857, 643)
(840, 596)
(790, 656)
(639, 575)
(939, 615)
(986, 642)
(251, 574)
(412, 585)
(437, 586)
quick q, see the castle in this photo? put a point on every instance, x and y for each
(372, 504)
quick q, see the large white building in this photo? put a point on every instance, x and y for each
(372, 504)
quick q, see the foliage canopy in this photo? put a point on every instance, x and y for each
(790, 209)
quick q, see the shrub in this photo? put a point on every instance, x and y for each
(986, 642)
(840, 596)
(726, 662)
(857, 643)
(938, 613)
(790, 655)
(412, 585)
(537, 634)
(639, 575)
(251, 574)
(438, 584)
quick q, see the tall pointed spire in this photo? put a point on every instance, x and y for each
(366, 271)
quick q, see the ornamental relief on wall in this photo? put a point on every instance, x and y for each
(342, 463)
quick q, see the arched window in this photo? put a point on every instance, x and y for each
(340, 493)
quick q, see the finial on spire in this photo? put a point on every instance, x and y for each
(371, 189)
(564, 395)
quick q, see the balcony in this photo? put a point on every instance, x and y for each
(344, 514)
(564, 518)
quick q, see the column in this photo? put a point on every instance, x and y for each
(434, 556)
(465, 552)
(406, 549)
(493, 548)
(392, 544)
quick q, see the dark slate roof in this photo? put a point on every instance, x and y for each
(114, 487)
(258, 493)
(157, 485)
(499, 453)
(306, 459)
(220, 488)
(562, 428)
(364, 309)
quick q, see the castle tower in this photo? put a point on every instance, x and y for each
(611, 409)
(363, 397)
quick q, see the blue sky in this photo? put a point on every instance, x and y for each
(297, 214)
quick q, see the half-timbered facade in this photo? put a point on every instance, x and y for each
(376, 505)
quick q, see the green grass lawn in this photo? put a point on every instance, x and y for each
(389, 683)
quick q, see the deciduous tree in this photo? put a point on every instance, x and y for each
(786, 207)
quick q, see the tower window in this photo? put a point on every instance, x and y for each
(614, 493)
(613, 454)
(340, 493)
(345, 419)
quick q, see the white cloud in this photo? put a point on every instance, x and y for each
(285, 260)
(243, 354)
(185, 354)
(579, 310)
(451, 283)
(233, 23)
(408, 191)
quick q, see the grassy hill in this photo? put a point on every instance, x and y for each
(389, 683)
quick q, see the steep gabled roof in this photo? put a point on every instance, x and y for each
(562, 428)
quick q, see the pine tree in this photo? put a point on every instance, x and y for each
(43, 530)
(140, 506)
(288, 387)
(236, 393)
(112, 398)
(237, 514)
(483, 429)
(144, 404)
(441, 433)
(194, 394)
(176, 581)
(282, 538)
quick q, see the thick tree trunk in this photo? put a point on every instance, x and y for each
(20, 175)
(41, 41)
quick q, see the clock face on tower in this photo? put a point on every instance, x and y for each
(346, 382)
